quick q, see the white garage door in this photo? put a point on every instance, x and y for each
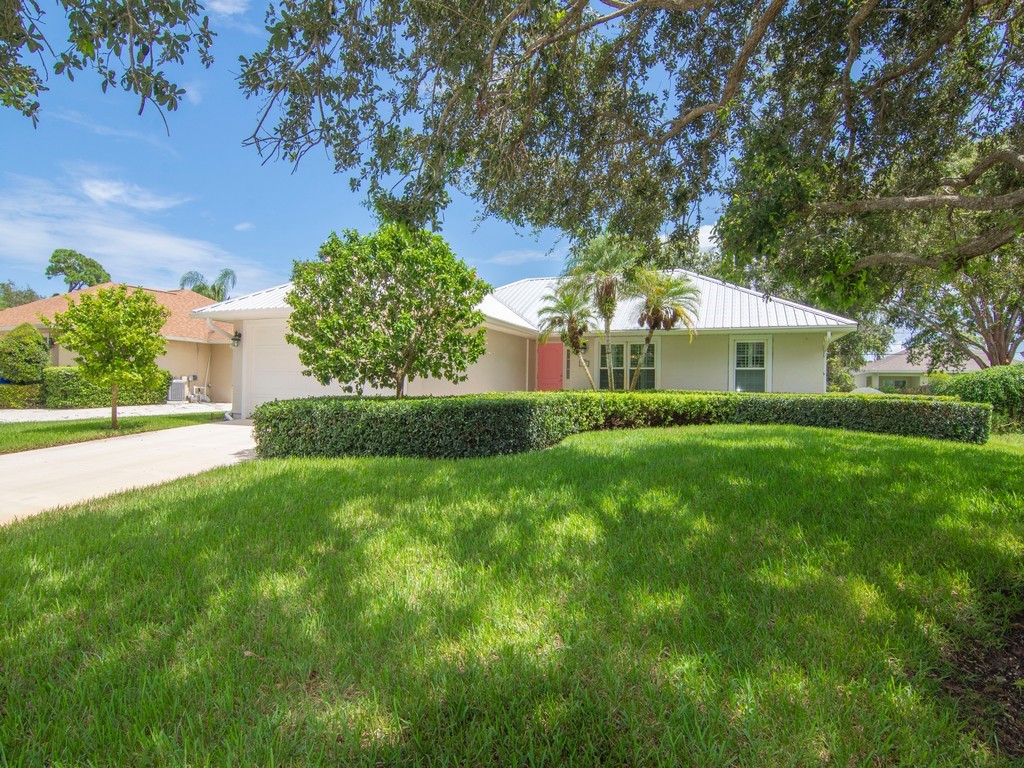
(275, 372)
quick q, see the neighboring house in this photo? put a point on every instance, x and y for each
(744, 342)
(896, 372)
(195, 347)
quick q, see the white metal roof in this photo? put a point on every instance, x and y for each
(271, 303)
(723, 306)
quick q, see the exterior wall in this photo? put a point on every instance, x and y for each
(882, 380)
(182, 359)
(702, 364)
(270, 369)
(798, 362)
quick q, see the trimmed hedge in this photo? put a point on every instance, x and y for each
(488, 425)
(21, 395)
(23, 355)
(1002, 386)
(64, 387)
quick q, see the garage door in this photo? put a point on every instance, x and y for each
(275, 372)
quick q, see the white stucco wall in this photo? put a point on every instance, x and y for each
(271, 369)
(798, 362)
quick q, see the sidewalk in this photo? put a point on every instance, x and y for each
(15, 416)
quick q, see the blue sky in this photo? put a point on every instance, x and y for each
(96, 177)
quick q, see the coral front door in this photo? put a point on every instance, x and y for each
(550, 359)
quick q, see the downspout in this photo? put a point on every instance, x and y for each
(824, 371)
(221, 331)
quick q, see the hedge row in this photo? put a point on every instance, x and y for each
(487, 425)
(1002, 386)
(64, 387)
(21, 395)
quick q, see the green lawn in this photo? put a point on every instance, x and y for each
(695, 596)
(45, 434)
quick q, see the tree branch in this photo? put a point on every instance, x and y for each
(853, 31)
(979, 246)
(985, 203)
(1000, 156)
(732, 82)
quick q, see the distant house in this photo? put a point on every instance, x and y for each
(744, 342)
(895, 371)
(195, 347)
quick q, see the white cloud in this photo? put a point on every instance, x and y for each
(38, 216)
(705, 238)
(244, 226)
(193, 93)
(228, 7)
(107, 191)
(157, 140)
(515, 258)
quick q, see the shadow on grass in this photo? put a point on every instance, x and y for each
(696, 596)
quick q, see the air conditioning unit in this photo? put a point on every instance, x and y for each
(178, 391)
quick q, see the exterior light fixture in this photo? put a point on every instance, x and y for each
(236, 339)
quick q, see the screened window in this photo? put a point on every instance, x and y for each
(751, 373)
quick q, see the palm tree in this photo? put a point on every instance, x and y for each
(567, 312)
(606, 268)
(217, 290)
(668, 301)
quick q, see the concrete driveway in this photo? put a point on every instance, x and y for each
(18, 415)
(33, 481)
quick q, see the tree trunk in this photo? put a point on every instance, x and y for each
(586, 370)
(400, 389)
(636, 372)
(113, 407)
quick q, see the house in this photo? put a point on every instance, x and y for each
(896, 372)
(195, 347)
(745, 341)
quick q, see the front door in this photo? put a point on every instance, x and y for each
(550, 359)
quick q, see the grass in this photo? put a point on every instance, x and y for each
(26, 436)
(698, 596)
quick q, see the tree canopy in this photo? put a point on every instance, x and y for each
(381, 310)
(218, 290)
(115, 335)
(623, 114)
(13, 296)
(78, 270)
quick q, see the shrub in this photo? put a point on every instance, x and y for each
(487, 425)
(64, 387)
(23, 355)
(21, 395)
(1001, 386)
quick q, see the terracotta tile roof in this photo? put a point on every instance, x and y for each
(180, 325)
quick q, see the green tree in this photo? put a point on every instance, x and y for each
(546, 112)
(384, 309)
(567, 312)
(23, 355)
(218, 290)
(115, 335)
(78, 270)
(668, 300)
(13, 296)
(127, 45)
(975, 314)
(606, 268)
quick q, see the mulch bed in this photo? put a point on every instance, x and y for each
(988, 683)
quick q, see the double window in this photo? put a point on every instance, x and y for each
(623, 367)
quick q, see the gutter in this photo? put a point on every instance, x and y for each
(221, 331)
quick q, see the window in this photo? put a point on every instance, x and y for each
(646, 366)
(618, 365)
(623, 369)
(750, 366)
